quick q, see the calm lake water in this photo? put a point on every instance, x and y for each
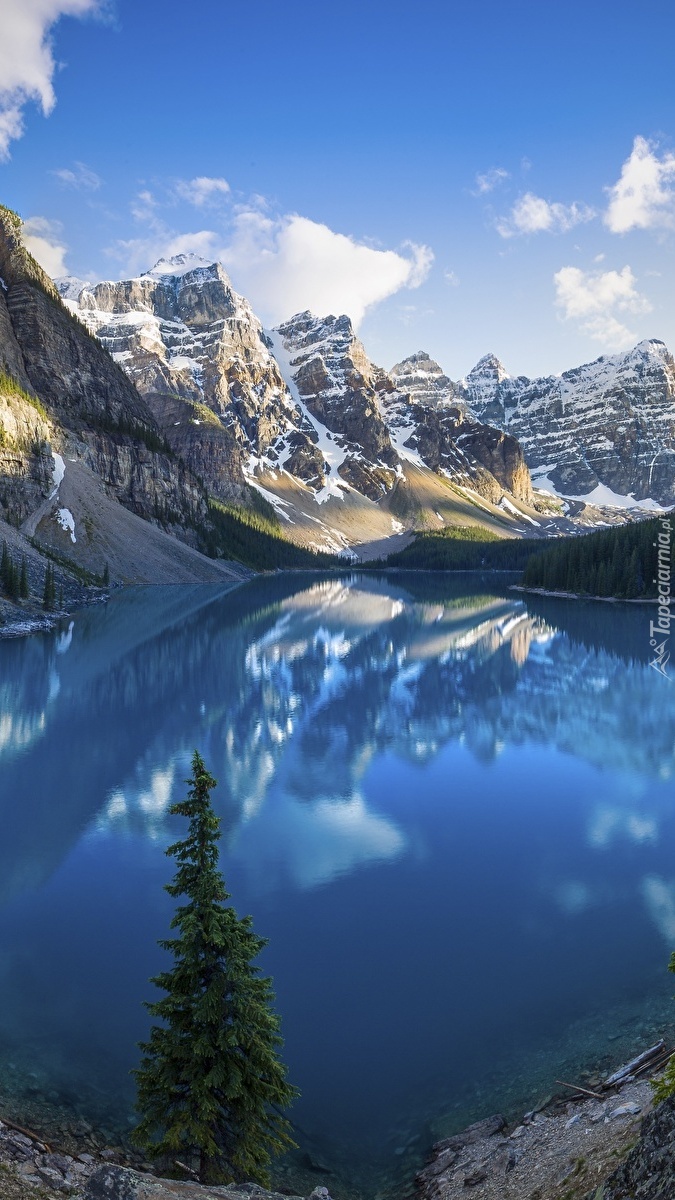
(450, 809)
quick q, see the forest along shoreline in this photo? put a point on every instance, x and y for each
(585, 1143)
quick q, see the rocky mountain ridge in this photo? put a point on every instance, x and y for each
(602, 433)
(302, 414)
(170, 392)
(604, 427)
(299, 412)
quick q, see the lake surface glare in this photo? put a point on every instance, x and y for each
(450, 807)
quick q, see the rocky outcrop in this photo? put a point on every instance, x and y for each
(340, 387)
(119, 1183)
(196, 352)
(26, 463)
(649, 1169)
(610, 422)
(496, 451)
(555, 1153)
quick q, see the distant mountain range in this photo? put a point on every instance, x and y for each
(350, 453)
(164, 394)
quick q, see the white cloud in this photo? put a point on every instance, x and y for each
(311, 844)
(533, 214)
(593, 299)
(144, 208)
(201, 190)
(659, 896)
(82, 178)
(291, 263)
(27, 63)
(285, 264)
(42, 238)
(140, 254)
(451, 278)
(644, 196)
(490, 180)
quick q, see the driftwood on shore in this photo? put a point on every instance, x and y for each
(576, 1088)
(636, 1065)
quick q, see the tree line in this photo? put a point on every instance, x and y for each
(463, 548)
(256, 540)
(620, 562)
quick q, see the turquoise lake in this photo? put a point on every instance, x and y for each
(448, 806)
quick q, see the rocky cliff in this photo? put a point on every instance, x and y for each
(63, 400)
(604, 431)
(86, 392)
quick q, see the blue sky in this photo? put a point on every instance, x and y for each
(460, 177)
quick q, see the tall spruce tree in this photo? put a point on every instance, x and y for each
(24, 590)
(211, 1084)
(49, 593)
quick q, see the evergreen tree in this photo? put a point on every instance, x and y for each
(23, 582)
(106, 575)
(210, 1083)
(14, 588)
(49, 594)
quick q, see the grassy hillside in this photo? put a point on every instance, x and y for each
(619, 562)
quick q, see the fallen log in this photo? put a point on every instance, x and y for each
(636, 1064)
(575, 1087)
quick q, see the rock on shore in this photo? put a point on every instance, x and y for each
(554, 1155)
(29, 1170)
(649, 1169)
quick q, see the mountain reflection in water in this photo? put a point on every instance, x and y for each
(449, 807)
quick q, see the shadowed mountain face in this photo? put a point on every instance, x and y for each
(425, 784)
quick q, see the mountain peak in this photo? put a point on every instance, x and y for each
(653, 347)
(318, 328)
(70, 287)
(488, 366)
(179, 264)
(420, 360)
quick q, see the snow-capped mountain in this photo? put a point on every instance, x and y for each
(604, 432)
(433, 413)
(349, 453)
(299, 412)
(425, 381)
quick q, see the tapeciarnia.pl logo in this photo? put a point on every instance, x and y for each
(659, 630)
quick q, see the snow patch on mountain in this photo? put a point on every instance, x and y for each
(332, 454)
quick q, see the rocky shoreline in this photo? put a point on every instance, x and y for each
(568, 1149)
(33, 1170)
(536, 591)
(608, 1142)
